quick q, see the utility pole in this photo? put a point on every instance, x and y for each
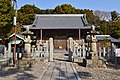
(14, 4)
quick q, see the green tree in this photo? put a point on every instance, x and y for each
(68, 9)
(115, 29)
(59, 10)
(65, 9)
(50, 11)
(103, 28)
(6, 17)
(26, 14)
(42, 11)
(96, 21)
(89, 16)
(114, 15)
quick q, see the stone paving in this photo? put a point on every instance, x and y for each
(59, 70)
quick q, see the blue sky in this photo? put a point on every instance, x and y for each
(103, 5)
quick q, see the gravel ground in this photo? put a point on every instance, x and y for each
(10, 73)
(97, 74)
(33, 73)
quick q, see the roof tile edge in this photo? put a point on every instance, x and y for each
(60, 15)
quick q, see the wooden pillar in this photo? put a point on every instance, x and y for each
(40, 34)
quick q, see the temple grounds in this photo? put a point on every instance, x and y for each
(59, 69)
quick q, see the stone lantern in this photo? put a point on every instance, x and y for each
(92, 59)
(93, 43)
(28, 40)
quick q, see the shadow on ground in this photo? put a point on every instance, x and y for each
(84, 75)
(81, 64)
(61, 60)
(113, 66)
(64, 75)
(19, 74)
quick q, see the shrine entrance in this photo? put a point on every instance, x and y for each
(60, 44)
(60, 36)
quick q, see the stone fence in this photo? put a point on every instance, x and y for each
(81, 50)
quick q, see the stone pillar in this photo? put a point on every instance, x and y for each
(104, 51)
(9, 50)
(50, 49)
(75, 52)
(38, 48)
(112, 56)
(70, 51)
(83, 47)
(71, 44)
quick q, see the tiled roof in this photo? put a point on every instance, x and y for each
(17, 35)
(102, 37)
(60, 21)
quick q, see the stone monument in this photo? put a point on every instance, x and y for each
(93, 59)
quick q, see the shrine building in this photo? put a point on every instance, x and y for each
(60, 27)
